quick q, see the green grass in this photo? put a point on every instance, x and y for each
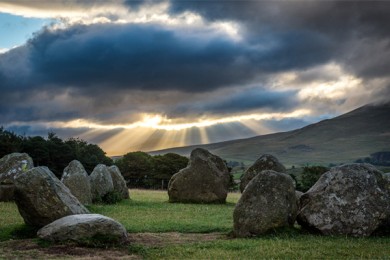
(10, 220)
(302, 246)
(149, 211)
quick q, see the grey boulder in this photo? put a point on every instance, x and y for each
(204, 180)
(352, 199)
(77, 180)
(101, 182)
(83, 228)
(265, 162)
(119, 182)
(267, 203)
(42, 198)
(10, 165)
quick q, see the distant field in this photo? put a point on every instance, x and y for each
(161, 230)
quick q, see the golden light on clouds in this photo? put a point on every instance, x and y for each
(155, 132)
(163, 123)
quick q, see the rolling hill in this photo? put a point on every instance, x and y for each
(345, 138)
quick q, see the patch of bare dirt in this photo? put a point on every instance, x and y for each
(31, 249)
(164, 239)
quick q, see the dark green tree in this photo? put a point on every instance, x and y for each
(53, 152)
(310, 176)
(142, 170)
(9, 142)
(136, 168)
(165, 166)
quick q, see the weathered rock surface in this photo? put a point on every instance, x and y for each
(298, 195)
(204, 180)
(42, 198)
(7, 192)
(119, 182)
(265, 162)
(10, 165)
(352, 199)
(101, 182)
(77, 180)
(81, 228)
(267, 203)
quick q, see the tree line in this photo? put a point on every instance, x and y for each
(139, 169)
(52, 151)
(142, 170)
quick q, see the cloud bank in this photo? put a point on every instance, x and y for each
(115, 62)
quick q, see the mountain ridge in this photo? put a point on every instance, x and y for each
(345, 138)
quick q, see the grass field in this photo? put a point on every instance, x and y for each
(161, 230)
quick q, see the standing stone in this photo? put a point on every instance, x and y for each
(119, 182)
(205, 180)
(77, 180)
(82, 228)
(265, 162)
(267, 203)
(42, 198)
(352, 199)
(10, 165)
(101, 182)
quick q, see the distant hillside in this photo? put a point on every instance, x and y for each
(345, 138)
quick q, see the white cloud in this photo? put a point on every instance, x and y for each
(73, 12)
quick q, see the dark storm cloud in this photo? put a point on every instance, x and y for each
(247, 100)
(103, 64)
(153, 58)
(134, 57)
(353, 29)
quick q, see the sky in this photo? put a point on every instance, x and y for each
(134, 75)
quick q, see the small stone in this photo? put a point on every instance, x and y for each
(77, 180)
(119, 182)
(101, 182)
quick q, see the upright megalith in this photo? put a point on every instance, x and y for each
(42, 198)
(205, 180)
(267, 203)
(10, 165)
(265, 162)
(101, 182)
(77, 180)
(119, 182)
(351, 199)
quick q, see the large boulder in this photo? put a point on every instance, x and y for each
(42, 198)
(101, 182)
(84, 228)
(267, 203)
(352, 199)
(10, 165)
(119, 182)
(77, 180)
(265, 162)
(205, 180)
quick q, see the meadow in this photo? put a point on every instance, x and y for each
(161, 230)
